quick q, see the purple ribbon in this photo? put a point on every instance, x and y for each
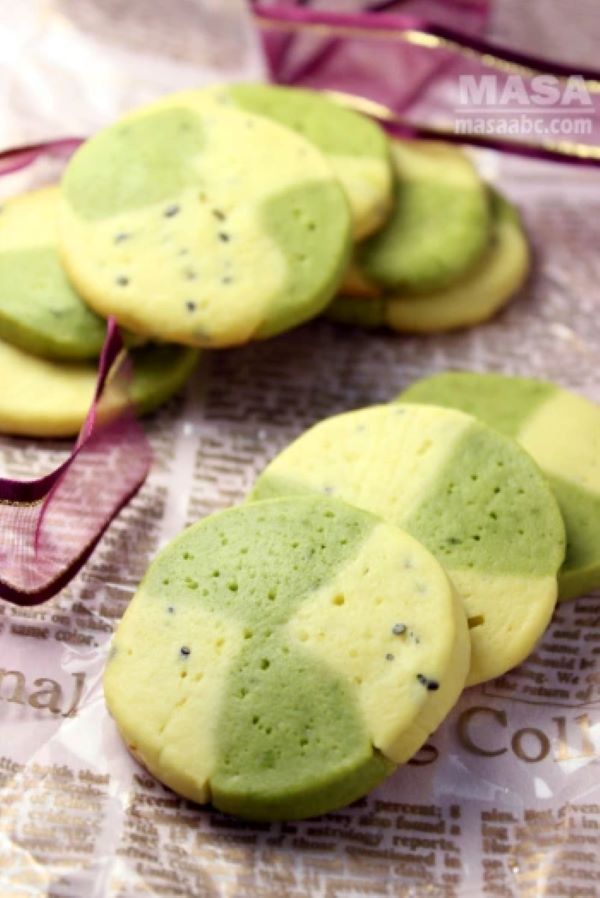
(409, 66)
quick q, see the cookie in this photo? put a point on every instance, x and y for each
(479, 295)
(356, 148)
(560, 430)
(203, 227)
(46, 398)
(280, 658)
(40, 311)
(439, 226)
(472, 496)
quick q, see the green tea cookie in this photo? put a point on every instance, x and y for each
(356, 148)
(440, 222)
(561, 431)
(203, 227)
(472, 496)
(39, 310)
(45, 398)
(479, 294)
(279, 659)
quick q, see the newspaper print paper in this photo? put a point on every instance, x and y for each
(504, 799)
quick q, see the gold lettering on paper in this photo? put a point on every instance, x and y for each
(465, 732)
(565, 752)
(46, 695)
(532, 754)
(18, 693)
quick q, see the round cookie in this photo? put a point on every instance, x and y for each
(45, 398)
(560, 430)
(356, 148)
(439, 226)
(280, 658)
(207, 227)
(472, 496)
(479, 294)
(39, 310)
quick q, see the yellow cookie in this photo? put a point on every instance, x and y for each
(44, 398)
(472, 496)
(481, 293)
(208, 227)
(279, 659)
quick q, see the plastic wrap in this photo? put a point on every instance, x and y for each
(504, 800)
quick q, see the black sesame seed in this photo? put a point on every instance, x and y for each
(399, 629)
(171, 610)
(185, 650)
(225, 238)
(170, 211)
(120, 237)
(219, 215)
(389, 657)
(190, 306)
(431, 685)
(122, 281)
(227, 279)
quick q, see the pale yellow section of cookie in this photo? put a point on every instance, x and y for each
(425, 160)
(363, 441)
(40, 397)
(503, 630)
(413, 633)
(563, 435)
(158, 695)
(365, 181)
(29, 220)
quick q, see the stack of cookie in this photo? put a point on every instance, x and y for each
(218, 216)
(309, 641)
(50, 340)
(451, 255)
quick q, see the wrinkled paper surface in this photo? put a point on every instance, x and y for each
(504, 800)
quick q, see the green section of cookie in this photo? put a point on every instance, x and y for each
(279, 659)
(357, 148)
(207, 227)
(475, 298)
(562, 433)
(472, 496)
(46, 398)
(439, 226)
(39, 310)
